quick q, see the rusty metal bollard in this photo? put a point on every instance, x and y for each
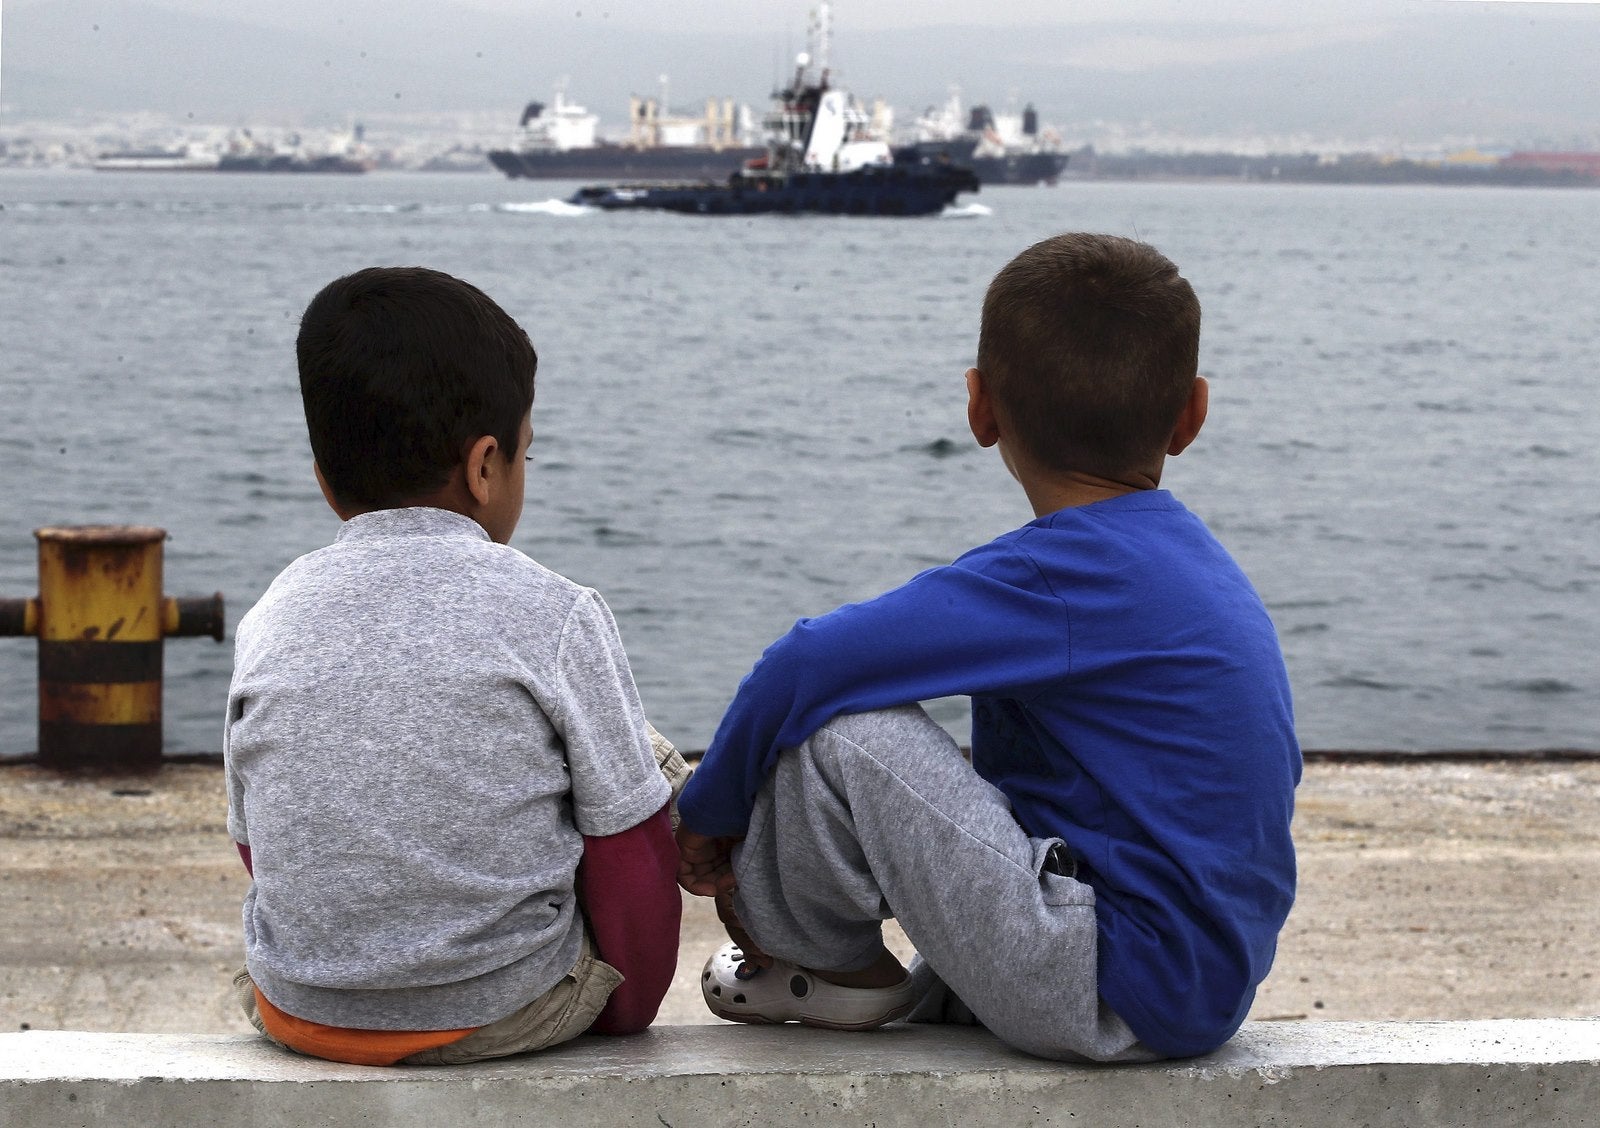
(100, 619)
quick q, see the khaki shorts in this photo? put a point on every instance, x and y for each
(559, 1015)
(673, 766)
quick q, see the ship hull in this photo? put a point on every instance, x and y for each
(620, 161)
(1007, 168)
(894, 190)
(282, 162)
(154, 161)
(1020, 168)
(114, 164)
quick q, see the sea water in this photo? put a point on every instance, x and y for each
(745, 420)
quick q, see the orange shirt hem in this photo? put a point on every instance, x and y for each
(347, 1044)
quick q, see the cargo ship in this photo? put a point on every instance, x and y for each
(1007, 148)
(559, 142)
(248, 153)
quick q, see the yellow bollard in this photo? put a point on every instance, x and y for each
(100, 619)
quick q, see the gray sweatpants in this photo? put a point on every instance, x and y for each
(878, 815)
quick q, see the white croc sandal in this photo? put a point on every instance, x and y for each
(787, 993)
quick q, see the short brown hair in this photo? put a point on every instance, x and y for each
(1090, 345)
(401, 368)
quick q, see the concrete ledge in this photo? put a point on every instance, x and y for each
(1503, 1073)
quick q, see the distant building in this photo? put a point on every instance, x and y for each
(1579, 164)
(1472, 158)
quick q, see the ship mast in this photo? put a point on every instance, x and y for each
(821, 36)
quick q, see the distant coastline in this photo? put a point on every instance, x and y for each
(1088, 165)
(1519, 170)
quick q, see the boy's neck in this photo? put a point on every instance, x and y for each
(452, 497)
(1065, 491)
(1051, 490)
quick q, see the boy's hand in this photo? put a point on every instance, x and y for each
(705, 865)
(705, 868)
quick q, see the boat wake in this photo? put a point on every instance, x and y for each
(966, 211)
(546, 207)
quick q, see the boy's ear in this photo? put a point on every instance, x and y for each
(322, 484)
(1192, 417)
(481, 468)
(344, 511)
(980, 410)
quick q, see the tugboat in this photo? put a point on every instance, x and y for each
(823, 155)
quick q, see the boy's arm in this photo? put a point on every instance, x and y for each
(235, 786)
(630, 896)
(620, 801)
(593, 704)
(987, 624)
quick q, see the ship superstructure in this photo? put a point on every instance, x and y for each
(1002, 148)
(562, 141)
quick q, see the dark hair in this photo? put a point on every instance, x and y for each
(1090, 345)
(401, 368)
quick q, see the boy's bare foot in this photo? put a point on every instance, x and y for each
(781, 992)
(754, 957)
(885, 971)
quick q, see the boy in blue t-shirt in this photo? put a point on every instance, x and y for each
(1107, 879)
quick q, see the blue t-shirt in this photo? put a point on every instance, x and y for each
(1128, 697)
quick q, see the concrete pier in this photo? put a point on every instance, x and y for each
(1503, 1073)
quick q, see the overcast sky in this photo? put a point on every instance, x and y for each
(757, 15)
(857, 15)
(1513, 72)
(787, 19)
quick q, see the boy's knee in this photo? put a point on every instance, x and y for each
(885, 734)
